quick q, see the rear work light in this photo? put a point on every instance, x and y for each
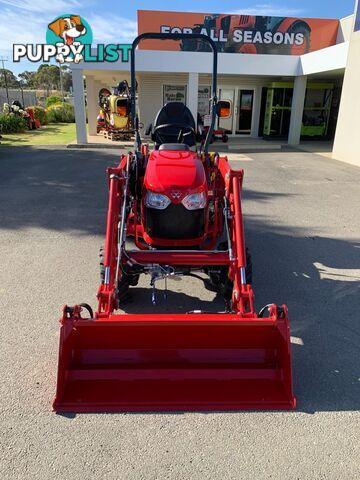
(195, 201)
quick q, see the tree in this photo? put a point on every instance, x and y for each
(28, 79)
(67, 78)
(48, 77)
(11, 79)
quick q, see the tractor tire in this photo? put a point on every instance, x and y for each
(124, 282)
(225, 138)
(249, 268)
(220, 282)
(101, 264)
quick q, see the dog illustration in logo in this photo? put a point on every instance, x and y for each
(69, 29)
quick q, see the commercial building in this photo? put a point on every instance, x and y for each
(283, 76)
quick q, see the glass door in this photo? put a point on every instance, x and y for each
(245, 111)
(227, 123)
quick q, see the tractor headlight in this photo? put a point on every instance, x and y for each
(195, 201)
(156, 200)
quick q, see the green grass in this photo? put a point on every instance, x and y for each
(52, 134)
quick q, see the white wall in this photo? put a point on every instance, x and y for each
(151, 84)
(151, 97)
(79, 105)
(326, 60)
(347, 139)
(92, 94)
(185, 62)
(345, 29)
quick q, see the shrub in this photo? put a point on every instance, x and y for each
(12, 124)
(61, 113)
(53, 100)
(6, 109)
(40, 114)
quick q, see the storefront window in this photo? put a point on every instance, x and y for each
(288, 95)
(278, 97)
(314, 98)
(317, 108)
(316, 112)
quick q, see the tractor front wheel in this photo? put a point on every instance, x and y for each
(220, 281)
(125, 281)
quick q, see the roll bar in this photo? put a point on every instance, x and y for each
(174, 36)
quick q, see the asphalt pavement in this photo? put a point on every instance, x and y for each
(302, 219)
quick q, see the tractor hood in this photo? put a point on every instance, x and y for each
(181, 170)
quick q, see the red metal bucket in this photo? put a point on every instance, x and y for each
(174, 363)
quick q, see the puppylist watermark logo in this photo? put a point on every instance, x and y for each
(69, 39)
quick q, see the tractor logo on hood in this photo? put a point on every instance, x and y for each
(176, 194)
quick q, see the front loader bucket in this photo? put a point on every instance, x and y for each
(174, 362)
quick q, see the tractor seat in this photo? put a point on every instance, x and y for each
(174, 114)
(180, 147)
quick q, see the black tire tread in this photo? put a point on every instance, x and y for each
(124, 282)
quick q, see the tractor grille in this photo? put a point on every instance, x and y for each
(175, 223)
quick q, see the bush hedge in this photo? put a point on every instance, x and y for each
(12, 124)
(60, 113)
(54, 113)
(53, 100)
(40, 114)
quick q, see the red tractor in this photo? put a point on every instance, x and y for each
(174, 211)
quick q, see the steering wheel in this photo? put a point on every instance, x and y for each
(184, 130)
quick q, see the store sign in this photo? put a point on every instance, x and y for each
(69, 39)
(204, 100)
(174, 93)
(239, 33)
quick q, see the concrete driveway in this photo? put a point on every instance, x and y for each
(302, 222)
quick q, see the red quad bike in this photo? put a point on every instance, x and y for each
(182, 210)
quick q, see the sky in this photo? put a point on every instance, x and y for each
(25, 21)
